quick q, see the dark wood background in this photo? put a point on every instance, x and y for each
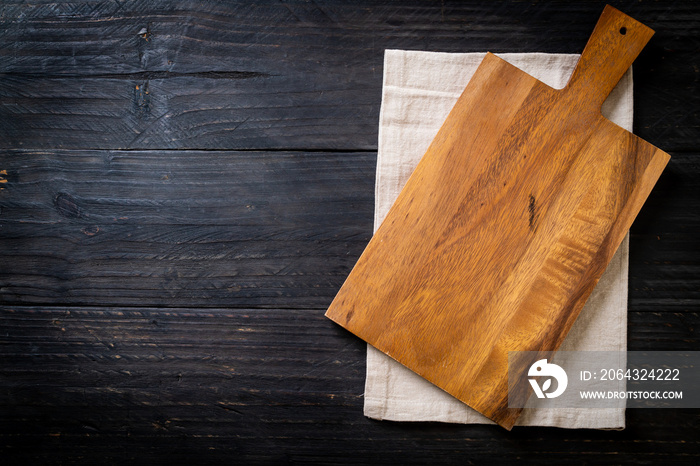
(184, 186)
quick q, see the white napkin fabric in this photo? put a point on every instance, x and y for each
(419, 90)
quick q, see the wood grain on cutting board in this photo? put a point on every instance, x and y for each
(507, 223)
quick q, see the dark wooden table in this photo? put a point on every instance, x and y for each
(184, 186)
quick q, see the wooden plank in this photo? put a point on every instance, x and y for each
(663, 328)
(211, 228)
(44, 33)
(111, 222)
(173, 74)
(159, 377)
(108, 384)
(306, 110)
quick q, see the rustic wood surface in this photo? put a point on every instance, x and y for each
(184, 186)
(505, 226)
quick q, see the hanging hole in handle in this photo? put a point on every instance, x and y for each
(623, 30)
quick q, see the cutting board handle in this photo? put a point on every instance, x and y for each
(616, 41)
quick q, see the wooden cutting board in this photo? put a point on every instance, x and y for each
(506, 225)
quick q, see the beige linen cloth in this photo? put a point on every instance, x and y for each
(419, 90)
